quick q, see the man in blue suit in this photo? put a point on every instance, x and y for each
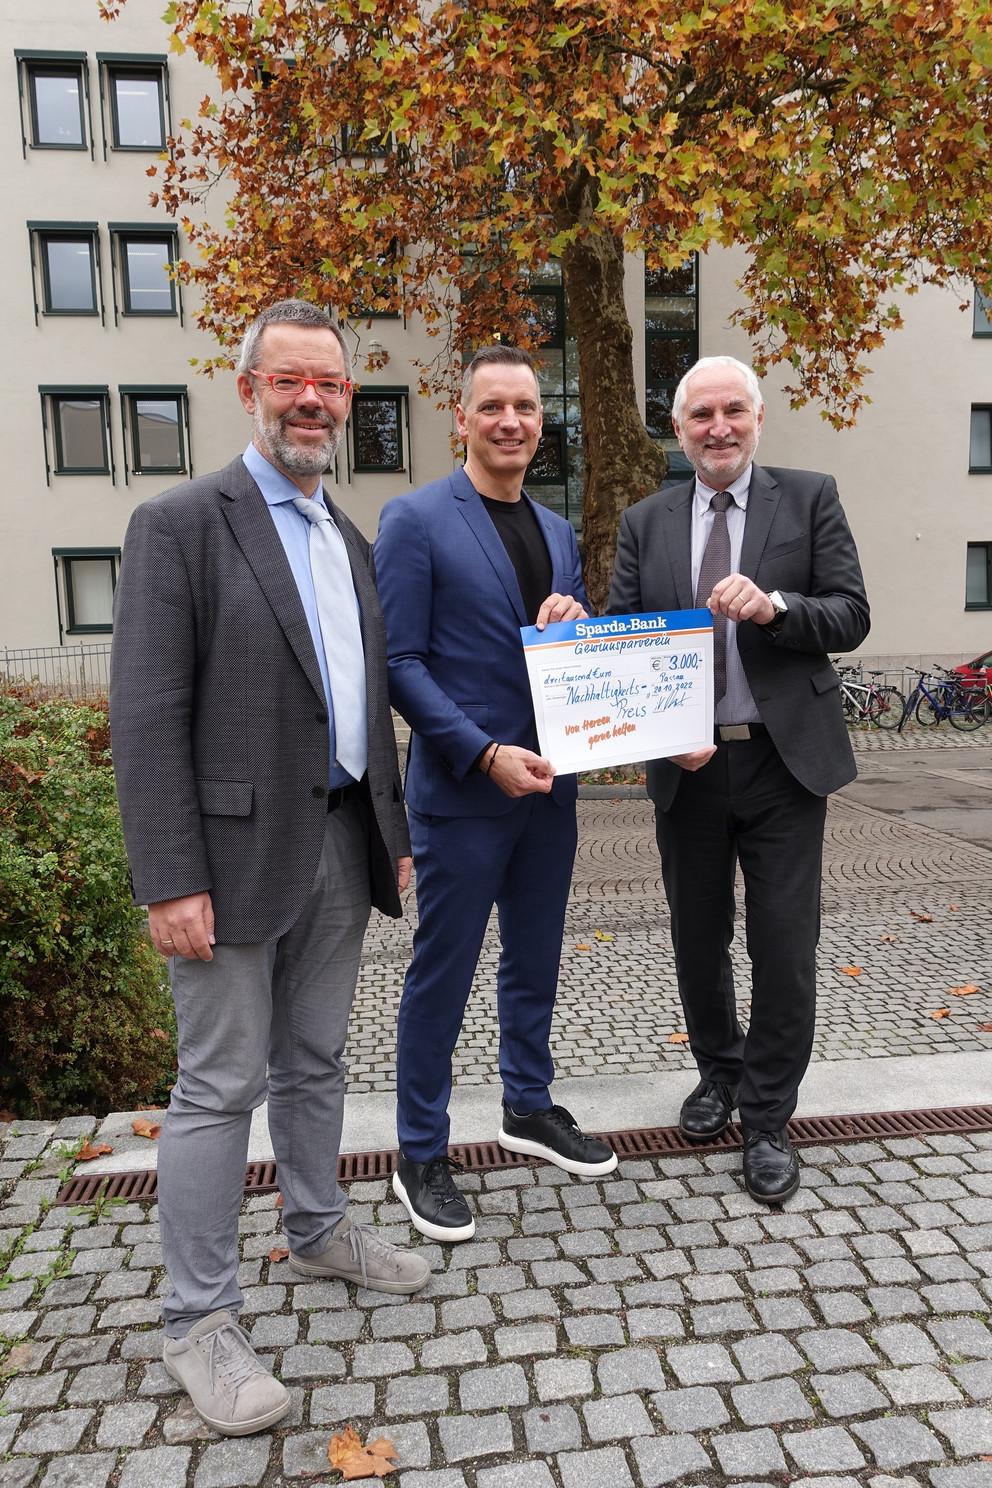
(461, 565)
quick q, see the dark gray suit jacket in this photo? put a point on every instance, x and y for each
(796, 540)
(218, 717)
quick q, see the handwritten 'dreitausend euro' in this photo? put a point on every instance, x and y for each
(621, 689)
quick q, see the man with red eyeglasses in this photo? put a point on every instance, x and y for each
(259, 788)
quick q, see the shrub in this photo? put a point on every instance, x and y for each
(86, 1021)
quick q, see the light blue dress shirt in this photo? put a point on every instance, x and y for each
(737, 705)
(294, 534)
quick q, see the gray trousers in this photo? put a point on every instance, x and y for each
(281, 1005)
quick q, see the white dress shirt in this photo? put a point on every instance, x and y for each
(737, 705)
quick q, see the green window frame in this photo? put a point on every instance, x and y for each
(980, 440)
(978, 576)
(43, 238)
(127, 235)
(981, 315)
(69, 563)
(137, 405)
(118, 68)
(33, 67)
(378, 414)
(57, 403)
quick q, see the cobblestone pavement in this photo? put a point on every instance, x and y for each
(655, 1327)
(618, 1004)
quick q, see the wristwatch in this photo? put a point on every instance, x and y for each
(781, 610)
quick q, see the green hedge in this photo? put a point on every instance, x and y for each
(86, 1021)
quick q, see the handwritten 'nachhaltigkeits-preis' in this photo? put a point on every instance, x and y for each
(621, 689)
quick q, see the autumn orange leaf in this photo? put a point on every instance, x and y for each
(678, 1038)
(278, 1253)
(582, 946)
(851, 970)
(279, 1201)
(925, 919)
(941, 1013)
(968, 990)
(143, 1128)
(346, 1453)
(87, 1152)
(889, 938)
(985, 1028)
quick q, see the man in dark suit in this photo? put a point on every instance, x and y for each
(259, 788)
(462, 564)
(771, 554)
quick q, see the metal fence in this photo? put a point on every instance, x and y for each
(66, 671)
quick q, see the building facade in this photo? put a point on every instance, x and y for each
(102, 407)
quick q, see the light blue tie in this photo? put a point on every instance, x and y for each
(341, 631)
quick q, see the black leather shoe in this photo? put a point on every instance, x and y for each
(707, 1110)
(771, 1167)
(428, 1193)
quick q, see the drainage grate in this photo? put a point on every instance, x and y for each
(805, 1131)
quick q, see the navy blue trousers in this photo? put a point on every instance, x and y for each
(521, 862)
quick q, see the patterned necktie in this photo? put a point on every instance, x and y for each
(714, 567)
(341, 631)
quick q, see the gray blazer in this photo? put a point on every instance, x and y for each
(796, 540)
(218, 717)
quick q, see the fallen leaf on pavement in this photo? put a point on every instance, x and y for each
(143, 1128)
(890, 938)
(346, 1453)
(968, 990)
(953, 907)
(941, 1013)
(602, 935)
(924, 918)
(278, 1253)
(581, 946)
(678, 1038)
(851, 970)
(87, 1153)
(279, 1201)
(985, 1027)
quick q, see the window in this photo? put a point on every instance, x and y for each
(142, 258)
(89, 577)
(671, 344)
(556, 471)
(978, 579)
(982, 315)
(53, 89)
(980, 445)
(156, 423)
(134, 96)
(65, 261)
(377, 418)
(76, 430)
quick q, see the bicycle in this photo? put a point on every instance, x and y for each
(935, 698)
(869, 702)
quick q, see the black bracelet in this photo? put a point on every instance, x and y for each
(495, 752)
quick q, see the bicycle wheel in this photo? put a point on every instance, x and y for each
(927, 713)
(885, 707)
(967, 711)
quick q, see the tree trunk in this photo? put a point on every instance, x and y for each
(621, 463)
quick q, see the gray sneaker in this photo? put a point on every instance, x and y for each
(358, 1253)
(223, 1376)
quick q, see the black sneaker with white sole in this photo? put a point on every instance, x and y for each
(428, 1193)
(555, 1135)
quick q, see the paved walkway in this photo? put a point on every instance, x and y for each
(656, 1327)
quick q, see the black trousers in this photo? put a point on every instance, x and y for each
(744, 806)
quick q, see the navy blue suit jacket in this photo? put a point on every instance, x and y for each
(453, 613)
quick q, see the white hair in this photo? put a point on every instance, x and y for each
(753, 386)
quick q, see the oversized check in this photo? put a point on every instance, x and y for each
(621, 689)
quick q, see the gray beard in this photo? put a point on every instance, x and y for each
(291, 457)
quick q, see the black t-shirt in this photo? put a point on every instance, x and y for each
(524, 542)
